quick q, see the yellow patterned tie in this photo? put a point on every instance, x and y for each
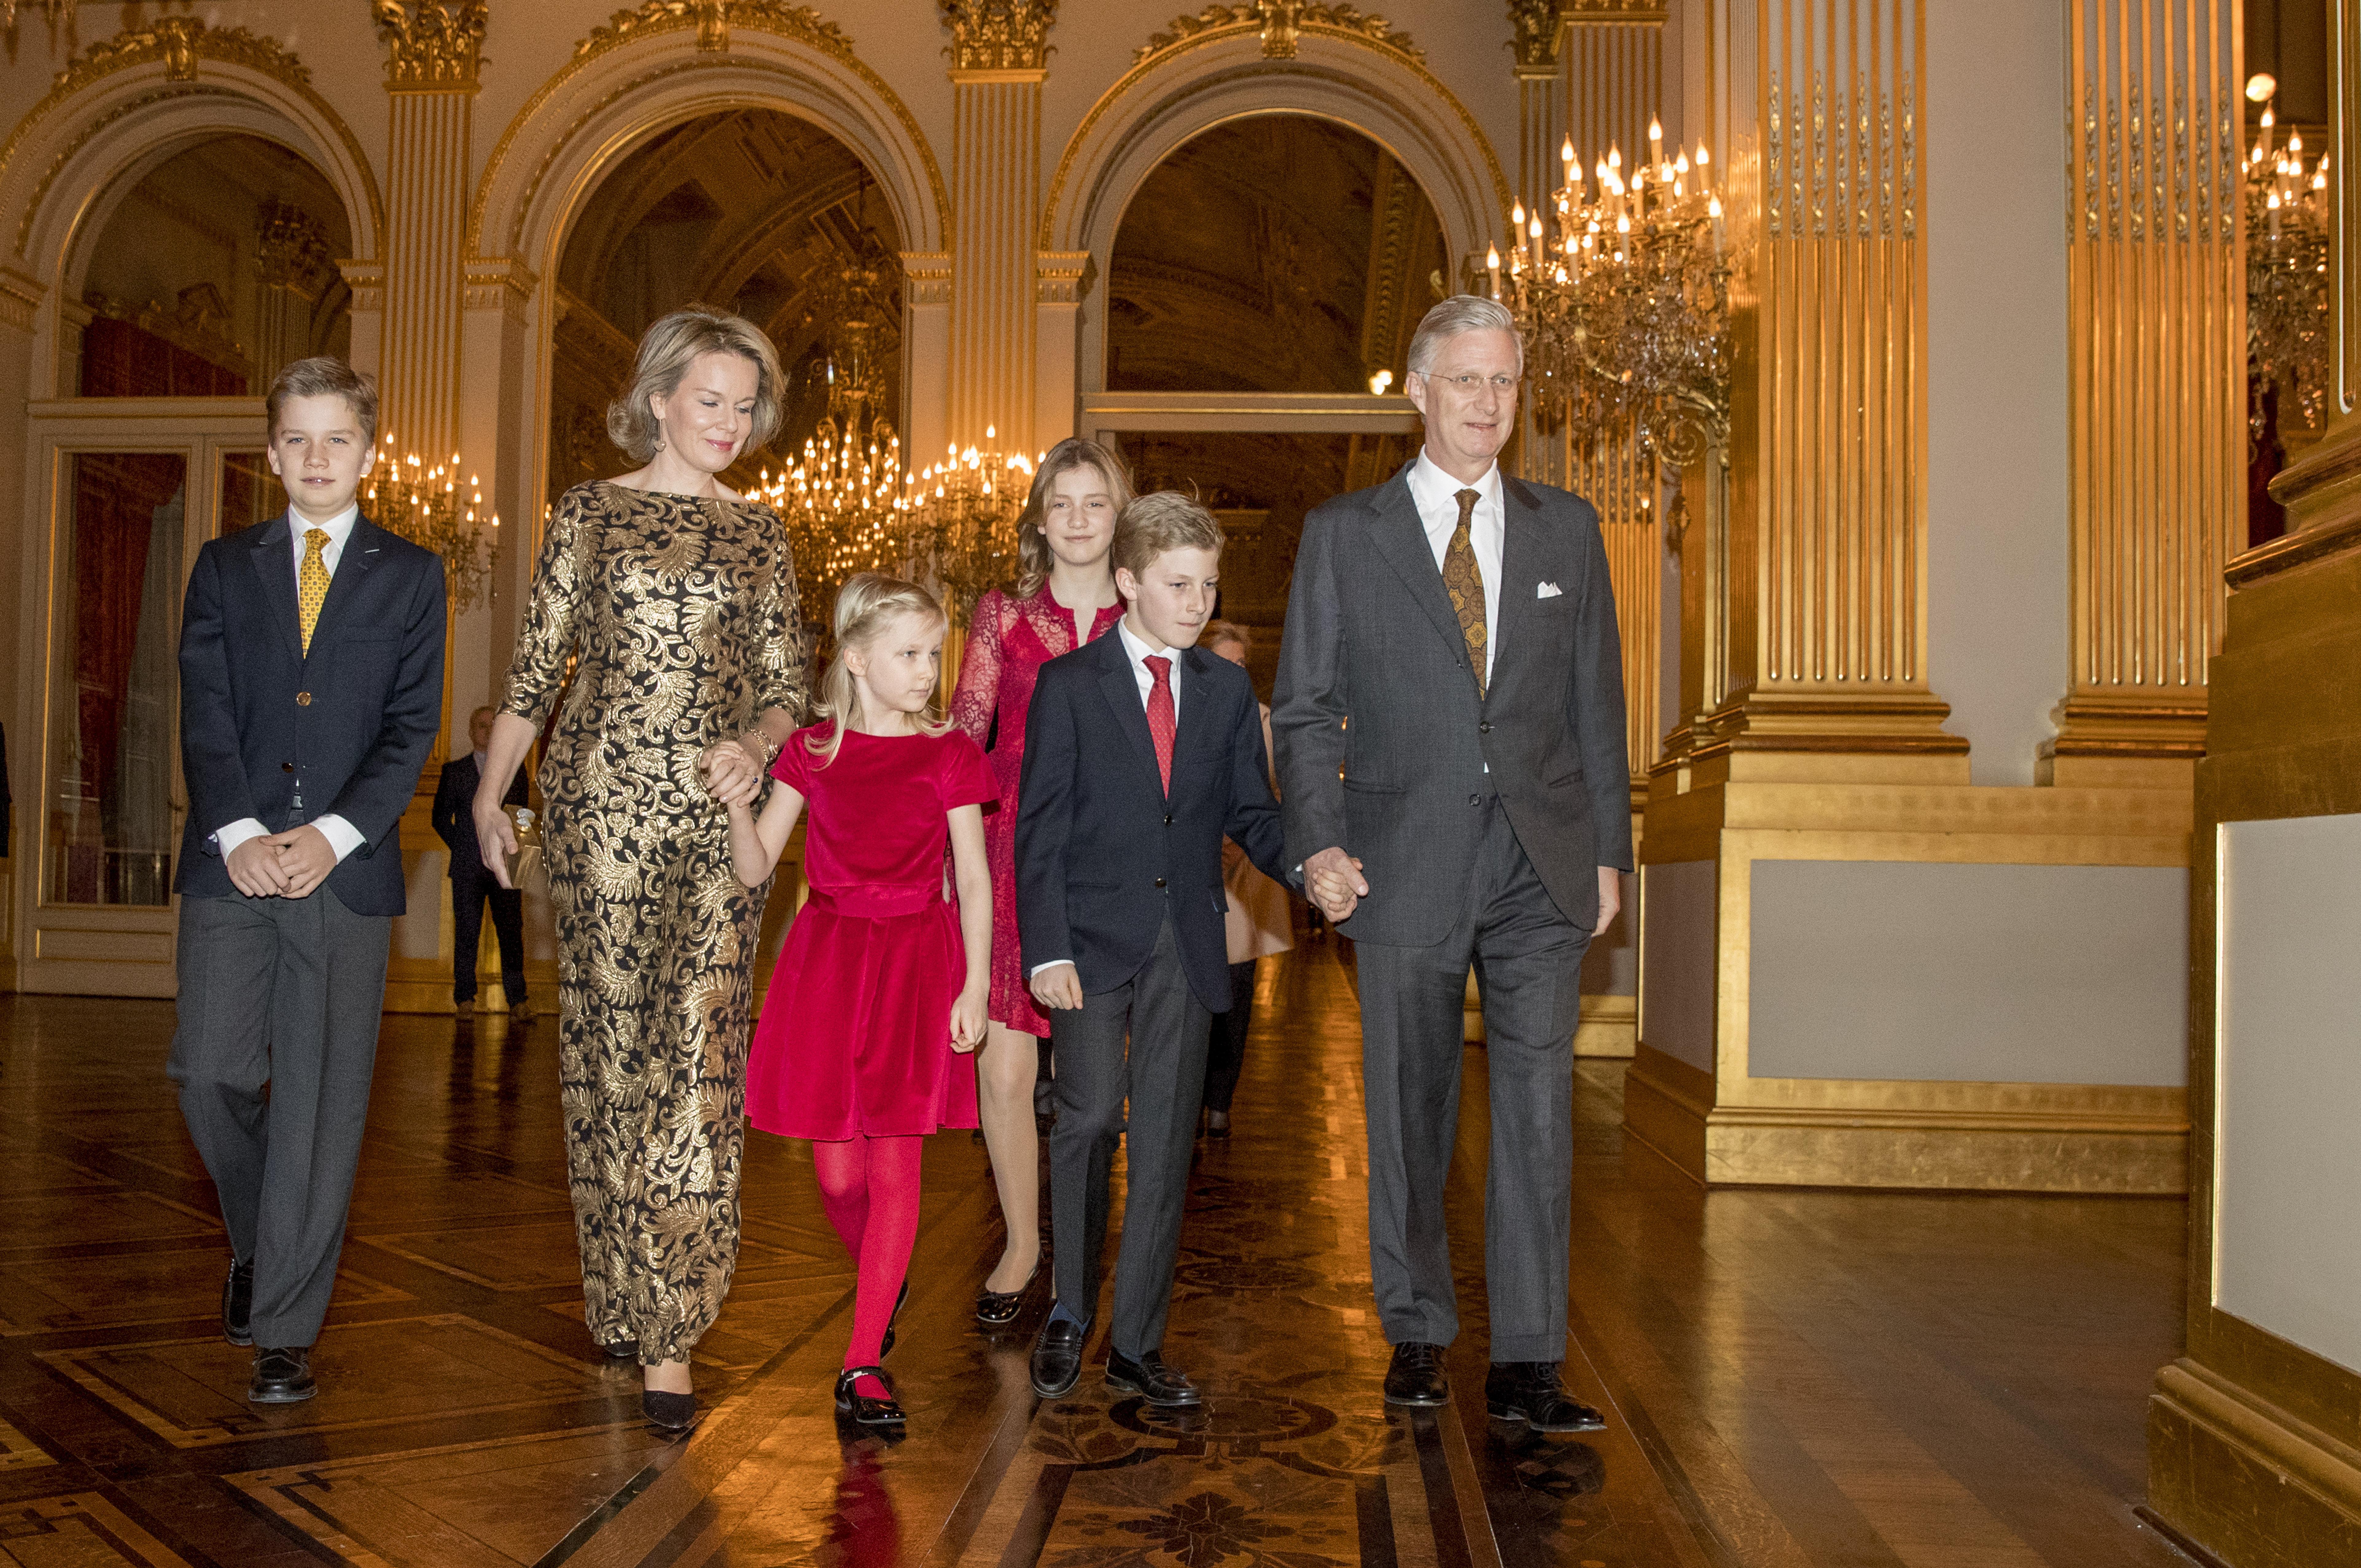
(311, 584)
(1465, 582)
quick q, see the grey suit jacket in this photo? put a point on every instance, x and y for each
(1383, 742)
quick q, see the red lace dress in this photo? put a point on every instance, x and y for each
(1009, 641)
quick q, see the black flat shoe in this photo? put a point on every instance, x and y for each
(997, 1309)
(859, 1406)
(281, 1376)
(1153, 1379)
(900, 1302)
(672, 1413)
(238, 1303)
(622, 1350)
(1528, 1391)
(1058, 1358)
(1416, 1378)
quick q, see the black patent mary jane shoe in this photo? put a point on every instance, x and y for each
(858, 1407)
(998, 1309)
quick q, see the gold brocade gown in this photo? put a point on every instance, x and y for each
(681, 615)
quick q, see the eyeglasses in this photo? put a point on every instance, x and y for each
(1471, 382)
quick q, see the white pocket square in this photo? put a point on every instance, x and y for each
(1548, 591)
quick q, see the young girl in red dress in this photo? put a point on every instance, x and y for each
(1064, 597)
(880, 989)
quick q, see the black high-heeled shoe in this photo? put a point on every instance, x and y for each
(672, 1412)
(859, 1406)
(997, 1309)
(900, 1302)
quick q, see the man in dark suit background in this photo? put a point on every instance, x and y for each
(472, 883)
(311, 692)
(1142, 750)
(1476, 809)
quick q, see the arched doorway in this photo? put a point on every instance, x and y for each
(754, 210)
(1278, 255)
(190, 280)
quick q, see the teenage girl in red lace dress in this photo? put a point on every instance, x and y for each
(1065, 596)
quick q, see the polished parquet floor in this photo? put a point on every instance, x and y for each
(1791, 1377)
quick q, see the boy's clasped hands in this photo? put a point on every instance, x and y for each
(282, 865)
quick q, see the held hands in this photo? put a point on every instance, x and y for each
(1333, 880)
(732, 773)
(495, 835)
(254, 868)
(303, 855)
(967, 1020)
(1058, 987)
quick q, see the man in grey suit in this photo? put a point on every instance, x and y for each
(1450, 731)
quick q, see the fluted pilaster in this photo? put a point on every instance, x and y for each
(430, 78)
(1000, 58)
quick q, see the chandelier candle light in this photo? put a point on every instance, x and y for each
(2287, 277)
(424, 505)
(1623, 294)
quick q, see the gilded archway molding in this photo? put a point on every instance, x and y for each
(1203, 73)
(120, 100)
(658, 66)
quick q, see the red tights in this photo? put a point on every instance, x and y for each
(870, 1188)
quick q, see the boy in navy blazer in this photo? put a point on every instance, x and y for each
(311, 690)
(1142, 752)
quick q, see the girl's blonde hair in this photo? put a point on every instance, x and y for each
(667, 350)
(866, 609)
(1032, 559)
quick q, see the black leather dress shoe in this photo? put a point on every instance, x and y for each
(281, 1376)
(1528, 1391)
(1058, 1358)
(1416, 1378)
(238, 1303)
(863, 1409)
(1152, 1378)
(900, 1302)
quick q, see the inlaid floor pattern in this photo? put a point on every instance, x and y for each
(1791, 1379)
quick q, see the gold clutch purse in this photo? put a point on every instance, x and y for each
(525, 861)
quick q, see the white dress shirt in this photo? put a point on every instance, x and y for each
(1138, 652)
(1437, 496)
(342, 836)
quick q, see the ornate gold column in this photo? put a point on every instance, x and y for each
(292, 254)
(2158, 368)
(1541, 98)
(430, 80)
(999, 59)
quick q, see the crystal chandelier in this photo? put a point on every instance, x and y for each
(426, 506)
(1624, 303)
(2288, 318)
(843, 501)
(963, 518)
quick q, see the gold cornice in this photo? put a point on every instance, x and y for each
(798, 23)
(1153, 57)
(999, 35)
(437, 45)
(1536, 31)
(179, 44)
(1281, 23)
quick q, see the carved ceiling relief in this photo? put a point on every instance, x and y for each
(999, 35)
(437, 45)
(1280, 24)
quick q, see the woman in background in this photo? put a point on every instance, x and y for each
(1064, 597)
(1261, 920)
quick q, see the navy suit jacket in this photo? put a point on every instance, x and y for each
(348, 726)
(1102, 851)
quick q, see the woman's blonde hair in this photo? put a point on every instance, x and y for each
(667, 350)
(866, 609)
(1032, 559)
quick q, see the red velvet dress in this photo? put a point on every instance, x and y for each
(855, 1035)
(1009, 641)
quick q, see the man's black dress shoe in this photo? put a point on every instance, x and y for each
(1058, 1358)
(238, 1303)
(672, 1412)
(1416, 1378)
(1152, 1378)
(900, 1302)
(281, 1376)
(996, 1309)
(1528, 1391)
(865, 1411)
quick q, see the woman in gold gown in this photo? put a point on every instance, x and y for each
(675, 600)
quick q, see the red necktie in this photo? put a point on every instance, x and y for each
(1159, 715)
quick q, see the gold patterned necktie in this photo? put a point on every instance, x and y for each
(311, 583)
(1465, 582)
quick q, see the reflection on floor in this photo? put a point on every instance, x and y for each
(1791, 1378)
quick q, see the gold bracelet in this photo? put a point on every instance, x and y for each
(770, 747)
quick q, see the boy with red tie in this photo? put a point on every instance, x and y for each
(1142, 753)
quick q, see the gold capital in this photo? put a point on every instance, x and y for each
(438, 44)
(999, 35)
